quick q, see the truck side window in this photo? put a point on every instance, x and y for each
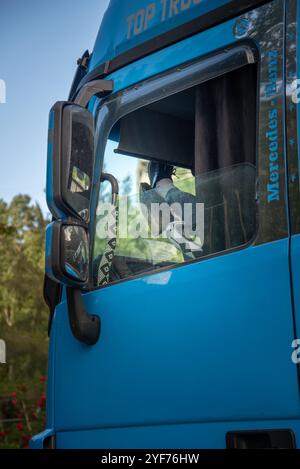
(186, 171)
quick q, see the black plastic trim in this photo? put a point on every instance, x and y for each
(52, 297)
(85, 327)
(209, 20)
(81, 71)
(49, 442)
(261, 439)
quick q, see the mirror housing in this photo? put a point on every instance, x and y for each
(70, 162)
(67, 261)
(70, 168)
(67, 253)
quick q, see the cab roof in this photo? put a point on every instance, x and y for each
(129, 24)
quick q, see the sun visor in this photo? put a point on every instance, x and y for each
(153, 135)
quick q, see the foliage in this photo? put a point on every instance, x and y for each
(23, 313)
(22, 263)
(22, 416)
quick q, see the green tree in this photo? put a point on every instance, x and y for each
(23, 313)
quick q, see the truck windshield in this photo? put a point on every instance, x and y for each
(185, 167)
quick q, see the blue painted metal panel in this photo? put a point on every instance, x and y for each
(37, 441)
(119, 18)
(195, 47)
(48, 251)
(206, 435)
(51, 376)
(295, 263)
(201, 343)
(49, 178)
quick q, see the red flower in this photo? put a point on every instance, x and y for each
(25, 441)
(19, 426)
(42, 401)
(3, 434)
(14, 394)
(43, 379)
(14, 402)
(33, 415)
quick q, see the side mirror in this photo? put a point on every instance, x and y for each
(70, 168)
(67, 253)
(70, 161)
(67, 260)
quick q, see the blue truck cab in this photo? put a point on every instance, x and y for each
(173, 258)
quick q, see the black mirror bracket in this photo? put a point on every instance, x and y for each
(85, 328)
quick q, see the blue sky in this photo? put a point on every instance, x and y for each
(40, 42)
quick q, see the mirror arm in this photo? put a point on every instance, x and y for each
(97, 88)
(85, 328)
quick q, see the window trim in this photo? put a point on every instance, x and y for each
(111, 109)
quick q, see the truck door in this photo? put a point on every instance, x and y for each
(195, 342)
(292, 126)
